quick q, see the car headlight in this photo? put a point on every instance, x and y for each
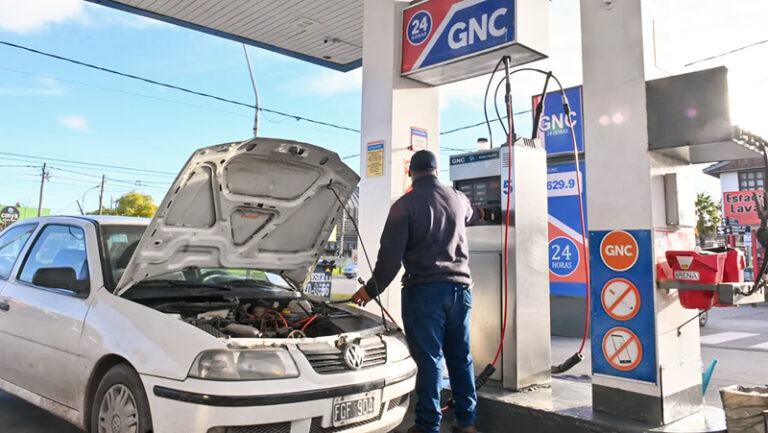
(244, 365)
(397, 349)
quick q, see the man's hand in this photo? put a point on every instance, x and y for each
(361, 298)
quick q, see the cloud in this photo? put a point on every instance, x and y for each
(329, 82)
(75, 123)
(28, 16)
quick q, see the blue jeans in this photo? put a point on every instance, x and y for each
(436, 320)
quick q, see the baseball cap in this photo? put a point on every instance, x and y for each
(423, 160)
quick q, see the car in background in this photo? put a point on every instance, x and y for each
(194, 321)
(350, 271)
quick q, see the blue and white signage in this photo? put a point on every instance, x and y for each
(623, 325)
(564, 256)
(567, 266)
(555, 125)
(453, 29)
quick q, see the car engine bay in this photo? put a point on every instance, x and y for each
(262, 313)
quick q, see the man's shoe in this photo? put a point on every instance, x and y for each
(414, 429)
(459, 429)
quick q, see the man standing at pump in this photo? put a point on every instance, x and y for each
(425, 231)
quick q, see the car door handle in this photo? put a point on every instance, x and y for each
(4, 306)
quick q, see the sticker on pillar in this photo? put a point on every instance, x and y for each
(622, 349)
(419, 138)
(620, 299)
(375, 159)
(619, 250)
(564, 256)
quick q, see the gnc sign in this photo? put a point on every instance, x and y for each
(619, 251)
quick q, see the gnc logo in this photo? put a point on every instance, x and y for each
(619, 250)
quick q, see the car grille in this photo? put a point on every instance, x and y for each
(282, 427)
(332, 360)
(397, 402)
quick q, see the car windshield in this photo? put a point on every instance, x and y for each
(223, 277)
(119, 241)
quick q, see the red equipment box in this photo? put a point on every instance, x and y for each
(702, 268)
(734, 266)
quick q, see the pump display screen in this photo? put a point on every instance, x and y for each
(484, 192)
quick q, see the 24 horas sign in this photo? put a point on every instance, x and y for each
(740, 205)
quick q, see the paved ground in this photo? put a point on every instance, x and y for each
(736, 337)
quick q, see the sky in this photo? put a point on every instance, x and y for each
(86, 123)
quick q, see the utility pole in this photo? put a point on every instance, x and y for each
(101, 194)
(42, 189)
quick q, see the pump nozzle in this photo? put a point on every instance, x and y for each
(568, 364)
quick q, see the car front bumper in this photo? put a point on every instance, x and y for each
(198, 406)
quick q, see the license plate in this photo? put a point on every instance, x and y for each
(355, 408)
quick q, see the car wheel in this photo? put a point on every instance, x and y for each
(703, 317)
(120, 404)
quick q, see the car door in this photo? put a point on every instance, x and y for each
(12, 243)
(44, 323)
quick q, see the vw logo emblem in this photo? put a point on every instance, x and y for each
(353, 356)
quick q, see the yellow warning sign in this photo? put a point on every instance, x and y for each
(375, 159)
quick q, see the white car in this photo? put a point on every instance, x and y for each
(192, 322)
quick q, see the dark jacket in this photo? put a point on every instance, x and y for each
(425, 231)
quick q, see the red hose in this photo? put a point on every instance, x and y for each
(583, 227)
(506, 236)
(285, 322)
(311, 319)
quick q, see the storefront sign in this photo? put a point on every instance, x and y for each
(9, 214)
(740, 205)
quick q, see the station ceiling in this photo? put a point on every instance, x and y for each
(324, 32)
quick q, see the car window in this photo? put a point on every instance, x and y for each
(12, 241)
(118, 243)
(58, 246)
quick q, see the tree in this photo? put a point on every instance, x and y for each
(132, 204)
(707, 216)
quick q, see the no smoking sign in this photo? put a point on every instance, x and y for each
(620, 299)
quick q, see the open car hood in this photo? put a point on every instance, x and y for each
(261, 204)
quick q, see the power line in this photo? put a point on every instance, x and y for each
(89, 164)
(475, 125)
(175, 87)
(208, 95)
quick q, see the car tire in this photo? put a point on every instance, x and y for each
(703, 318)
(120, 404)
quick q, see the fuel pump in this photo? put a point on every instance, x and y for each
(484, 177)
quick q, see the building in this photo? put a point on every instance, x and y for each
(739, 180)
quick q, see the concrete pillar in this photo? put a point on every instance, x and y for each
(656, 376)
(391, 106)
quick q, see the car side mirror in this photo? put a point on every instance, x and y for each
(60, 278)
